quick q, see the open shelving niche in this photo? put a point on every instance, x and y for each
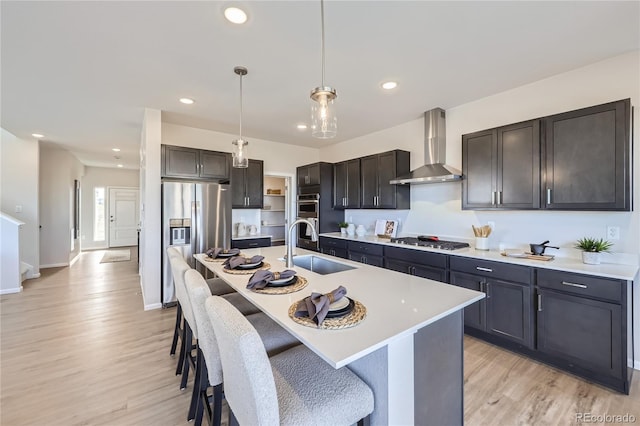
(273, 217)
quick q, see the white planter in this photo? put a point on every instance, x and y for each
(343, 231)
(591, 257)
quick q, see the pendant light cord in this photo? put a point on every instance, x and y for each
(240, 106)
(322, 26)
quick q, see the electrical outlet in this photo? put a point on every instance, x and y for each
(18, 209)
(613, 232)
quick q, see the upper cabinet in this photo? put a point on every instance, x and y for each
(376, 171)
(587, 158)
(309, 174)
(191, 163)
(346, 180)
(578, 160)
(502, 167)
(247, 186)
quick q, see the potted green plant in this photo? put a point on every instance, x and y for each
(343, 227)
(591, 249)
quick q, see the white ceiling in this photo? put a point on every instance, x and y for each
(82, 72)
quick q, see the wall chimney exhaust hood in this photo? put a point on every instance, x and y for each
(435, 170)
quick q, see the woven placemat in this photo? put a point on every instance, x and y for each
(219, 259)
(300, 283)
(265, 265)
(353, 318)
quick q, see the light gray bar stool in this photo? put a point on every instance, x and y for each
(295, 387)
(275, 339)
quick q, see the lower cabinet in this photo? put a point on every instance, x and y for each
(333, 247)
(248, 243)
(367, 253)
(507, 310)
(420, 263)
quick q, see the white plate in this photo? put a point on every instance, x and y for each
(340, 304)
(282, 280)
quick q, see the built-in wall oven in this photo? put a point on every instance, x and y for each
(308, 208)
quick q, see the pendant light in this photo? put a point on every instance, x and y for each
(240, 158)
(324, 122)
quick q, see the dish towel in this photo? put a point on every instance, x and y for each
(316, 306)
(235, 261)
(261, 278)
(214, 252)
(314, 221)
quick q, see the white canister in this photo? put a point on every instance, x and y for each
(351, 229)
(241, 229)
(360, 231)
(482, 243)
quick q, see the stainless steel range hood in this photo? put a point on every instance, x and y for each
(435, 170)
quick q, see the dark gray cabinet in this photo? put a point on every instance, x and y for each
(502, 167)
(247, 243)
(367, 253)
(247, 186)
(582, 325)
(416, 262)
(333, 247)
(587, 158)
(309, 174)
(181, 162)
(507, 310)
(346, 181)
(376, 171)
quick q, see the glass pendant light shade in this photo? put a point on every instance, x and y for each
(240, 154)
(324, 120)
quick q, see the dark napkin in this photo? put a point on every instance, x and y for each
(235, 261)
(262, 277)
(214, 252)
(316, 306)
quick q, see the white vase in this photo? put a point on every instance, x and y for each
(360, 231)
(343, 231)
(591, 257)
(351, 229)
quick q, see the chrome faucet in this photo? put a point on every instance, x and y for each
(314, 237)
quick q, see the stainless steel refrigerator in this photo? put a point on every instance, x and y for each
(195, 217)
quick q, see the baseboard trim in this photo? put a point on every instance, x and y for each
(36, 275)
(636, 365)
(14, 290)
(74, 260)
(53, 265)
(152, 306)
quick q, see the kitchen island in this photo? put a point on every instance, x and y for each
(408, 349)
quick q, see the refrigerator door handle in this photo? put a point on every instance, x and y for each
(194, 229)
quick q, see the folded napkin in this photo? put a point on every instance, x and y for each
(214, 252)
(261, 278)
(235, 261)
(316, 306)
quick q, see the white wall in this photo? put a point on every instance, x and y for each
(19, 160)
(58, 170)
(104, 177)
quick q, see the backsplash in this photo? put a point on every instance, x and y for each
(246, 216)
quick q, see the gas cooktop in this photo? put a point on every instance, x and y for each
(433, 242)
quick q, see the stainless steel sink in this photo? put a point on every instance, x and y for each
(320, 265)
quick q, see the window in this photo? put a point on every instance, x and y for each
(99, 224)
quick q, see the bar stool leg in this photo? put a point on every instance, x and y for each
(188, 346)
(183, 349)
(196, 386)
(177, 330)
(216, 413)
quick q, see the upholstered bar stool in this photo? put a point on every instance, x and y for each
(189, 327)
(274, 338)
(295, 387)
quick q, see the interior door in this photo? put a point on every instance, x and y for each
(123, 217)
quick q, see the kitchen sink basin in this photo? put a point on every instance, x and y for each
(320, 265)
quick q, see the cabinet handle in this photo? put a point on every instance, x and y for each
(253, 244)
(480, 268)
(344, 201)
(539, 303)
(493, 198)
(548, 195)
(574, 284)
(487, 289)
(499, 197)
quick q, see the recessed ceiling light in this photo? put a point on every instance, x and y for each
(115, 149)
(235, 15)
(37, 135)
(302, 127)
(388, 85)
(120, 165)
(187, 101)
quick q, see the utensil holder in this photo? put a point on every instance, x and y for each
(482, 243)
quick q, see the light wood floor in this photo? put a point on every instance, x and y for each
(77, 349)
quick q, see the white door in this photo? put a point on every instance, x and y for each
(123, 217)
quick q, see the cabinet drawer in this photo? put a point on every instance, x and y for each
(251, 243)
(417, 256)
(374, 249)
(584, 285)
(367, 259)
(516, 273)
(333, 243)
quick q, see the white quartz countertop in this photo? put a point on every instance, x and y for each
(249, 237)
(608, 270)
(397, 304)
